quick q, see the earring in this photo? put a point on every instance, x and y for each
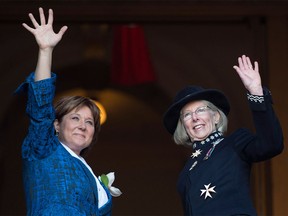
(57, 133)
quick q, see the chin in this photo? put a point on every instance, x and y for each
(201, 138)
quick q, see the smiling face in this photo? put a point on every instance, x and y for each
(200, 124)
(76, 129)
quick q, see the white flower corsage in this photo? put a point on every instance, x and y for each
(108, 180)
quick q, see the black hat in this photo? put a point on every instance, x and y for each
(193, 93)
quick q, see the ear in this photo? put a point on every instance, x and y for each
(217, 117)
(56, 125)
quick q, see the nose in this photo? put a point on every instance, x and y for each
(194, 116)
(82, 125)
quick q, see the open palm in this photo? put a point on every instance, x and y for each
(250, 77)
(43, 32)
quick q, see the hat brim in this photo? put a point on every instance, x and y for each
(171, 116)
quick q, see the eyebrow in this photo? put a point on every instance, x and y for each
(75, 113)
(197, 107)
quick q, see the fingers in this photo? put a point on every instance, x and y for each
(43, 32)
(247, 62)
(256, 67)
(42, 19)
(50, 17)
(33, 20)
(28, 27)
(42, 16)
(244, 63)
(238, 70)
(62, 30)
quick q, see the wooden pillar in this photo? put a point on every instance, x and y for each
(278, 83)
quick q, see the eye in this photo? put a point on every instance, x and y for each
(76, 118)
(90, 123)
(200, 110)
(186, 115)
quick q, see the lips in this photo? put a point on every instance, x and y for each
(197, 127)
(82, 135)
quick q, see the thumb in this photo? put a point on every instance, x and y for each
(62, 30)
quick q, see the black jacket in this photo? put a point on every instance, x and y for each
(219, 186)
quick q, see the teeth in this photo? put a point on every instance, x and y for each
(197, 126)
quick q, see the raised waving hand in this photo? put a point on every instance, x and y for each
(46, 39)
(249, 76)
(43, 32)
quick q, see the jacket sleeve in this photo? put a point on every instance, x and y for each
(38, 142)
(268, 139)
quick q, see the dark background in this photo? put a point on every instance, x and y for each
(189, 42)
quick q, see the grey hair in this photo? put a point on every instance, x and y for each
(181, 137)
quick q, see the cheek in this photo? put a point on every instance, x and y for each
(211, 118)
(212, 123)
(91, 131)
(187, 126)
(67, 126)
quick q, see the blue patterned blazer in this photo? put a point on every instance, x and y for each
(55, 182)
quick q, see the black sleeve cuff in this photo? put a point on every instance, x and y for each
(259, 103)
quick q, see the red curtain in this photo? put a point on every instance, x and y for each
(131, 63)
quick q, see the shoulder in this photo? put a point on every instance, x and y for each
(241, 133)
(240, 138)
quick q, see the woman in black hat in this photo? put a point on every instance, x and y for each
(215, 179)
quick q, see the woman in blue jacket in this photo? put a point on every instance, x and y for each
(57, 179)
(215, 179)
